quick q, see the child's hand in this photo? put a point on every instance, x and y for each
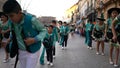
(105, 35)
(114, 38)
(29, 41)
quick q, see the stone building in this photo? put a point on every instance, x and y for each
(1, 4)
(46, 19)
(105, 5)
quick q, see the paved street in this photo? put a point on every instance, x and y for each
(75, 56)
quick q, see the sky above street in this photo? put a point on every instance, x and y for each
(54, 8)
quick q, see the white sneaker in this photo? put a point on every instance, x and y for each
(48, 62)
(115, 65)
(5, 60)
(54, 56)
(62, 48)
(51, 64)
(102, 54)
(88, 47)
(111, 62)
(91, 48)
(97, 53)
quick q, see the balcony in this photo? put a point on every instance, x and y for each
(89, 10)
(105, 2)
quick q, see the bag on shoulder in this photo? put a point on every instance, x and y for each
(12, 47)
(46, 43)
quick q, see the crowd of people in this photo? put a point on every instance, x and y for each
(31, 34)
(102, 31)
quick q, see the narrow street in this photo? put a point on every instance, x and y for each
(75, 56)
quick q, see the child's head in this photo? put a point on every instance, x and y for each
(53, 22)
(64, 23)
(100, 20)
(50, 29)
(60, 23)
(13, 10)
(4, 17)
(114, 13)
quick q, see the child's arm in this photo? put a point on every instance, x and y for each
(52, 40)
(5, 31)
(94, 27)
(105, 31)
(113, 30)
(41, 32)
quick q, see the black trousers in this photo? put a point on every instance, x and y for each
(90, 39)
(53, 49)
(65, 41)
(49, 54)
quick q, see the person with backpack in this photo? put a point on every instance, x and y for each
(29, 33)
(48, 44)
(116, 36)
(113, 12)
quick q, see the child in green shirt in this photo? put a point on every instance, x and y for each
(112, 13)
(29, 46)
(116, 36)
(49, 44)
(98, 32)
(55, 33)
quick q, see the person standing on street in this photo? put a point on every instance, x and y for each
(5, 34)
(112, 13)
(48, 44)
(116, 36)
(29, 32)
(98, 32)
(55, 33)
(88, 32)
(64, 32)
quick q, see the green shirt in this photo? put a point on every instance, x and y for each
(50, 36)
(109, 23)
(64, 30)
(0, 24)
(55, 33)
(118, 21)
(98, 28)
(36, 24)
(5, 26)
(88, 27)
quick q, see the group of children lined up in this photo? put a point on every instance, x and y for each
(55, 34)
(101, 31)
(35, 34)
